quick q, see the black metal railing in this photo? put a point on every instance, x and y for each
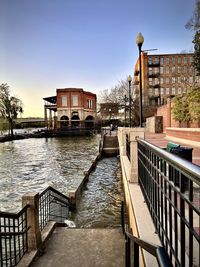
(127, 146)
(53, 206)
(132, 245)
(171, 187)
(13, 237)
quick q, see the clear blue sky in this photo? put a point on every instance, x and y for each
(49, 44)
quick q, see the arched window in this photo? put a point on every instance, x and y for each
(64, 121)
(89, 122)
(75, 121)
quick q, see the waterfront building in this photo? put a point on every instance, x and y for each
(163, 76)
(71, 107)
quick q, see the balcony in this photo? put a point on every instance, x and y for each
(153, 75)
(136, 73)
(155, 64)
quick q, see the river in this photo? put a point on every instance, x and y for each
(33, 164)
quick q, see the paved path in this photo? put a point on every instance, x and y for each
(161, 141)
(84, 248)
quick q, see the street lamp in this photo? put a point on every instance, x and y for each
(125, 99)
(129, 87)
(140, 41)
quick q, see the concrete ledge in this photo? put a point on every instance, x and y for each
(191, 134)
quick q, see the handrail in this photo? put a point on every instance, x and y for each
(186, 166)
(157, 251)
(55, 191)
(15, 233)
(5, 214)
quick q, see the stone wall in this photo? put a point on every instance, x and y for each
(154, 124)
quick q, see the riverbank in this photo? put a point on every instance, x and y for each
(47, 133)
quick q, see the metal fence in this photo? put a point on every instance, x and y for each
(53, 206)
(171, 187)
(13, 237)
(127, 146)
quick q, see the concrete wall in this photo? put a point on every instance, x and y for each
(140, 221)
(154, 124)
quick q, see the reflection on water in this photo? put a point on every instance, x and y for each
(100, 203)
(33, 164)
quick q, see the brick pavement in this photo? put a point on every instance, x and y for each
(161, 141)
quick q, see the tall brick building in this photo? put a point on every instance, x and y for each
(71, 107)
(163, 76)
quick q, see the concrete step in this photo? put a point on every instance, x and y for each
(84, 248)
(110, 141)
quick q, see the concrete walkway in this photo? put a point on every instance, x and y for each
(84, 248)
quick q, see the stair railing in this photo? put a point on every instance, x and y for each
(132, 257)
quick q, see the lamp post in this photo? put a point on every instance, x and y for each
(125, 99)
(129, 87)
(140, 41)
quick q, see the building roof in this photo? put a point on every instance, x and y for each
(51, 99)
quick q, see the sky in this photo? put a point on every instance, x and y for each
(89, 44)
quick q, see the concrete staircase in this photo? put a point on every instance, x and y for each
(84, 248)
(110, 146)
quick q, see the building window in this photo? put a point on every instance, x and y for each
(167, 60)
(179, 91)
(167, 80)
(161, 70)
(185, 60)
(173, 69)
(162, 91)
(150, 60)
(161, 80)
(179, 60)
(167, 70)
(185, 69)
(156, 81)
(179, 79)
(74, 100)
(191, 79)
(161, 61)
(173, 90)
(173, 79)
(167, 91)
(179, 69)
(184, 90)
(156, 60)
(90, 103)
(150, 71)
(150, 91)
(173, 60)
(191, 60)
(150, 81)
(156, 91)
(64, 100)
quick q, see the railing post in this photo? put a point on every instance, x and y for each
(134, 134)
(34, 234)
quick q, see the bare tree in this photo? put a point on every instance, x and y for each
(10, 106)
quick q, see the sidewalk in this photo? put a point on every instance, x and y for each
(161, 141)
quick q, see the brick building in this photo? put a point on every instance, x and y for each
(71, 107)
(164, 76)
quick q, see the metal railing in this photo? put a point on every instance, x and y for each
(132, 246)
(171, 187)
(13, 237)
(128, 146)
(53, 206)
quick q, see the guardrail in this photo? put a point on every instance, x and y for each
(53, 206)
(174, 207)
(132, 255)
(13, 237)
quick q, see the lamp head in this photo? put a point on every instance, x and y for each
(140, 39)
(129, 78)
